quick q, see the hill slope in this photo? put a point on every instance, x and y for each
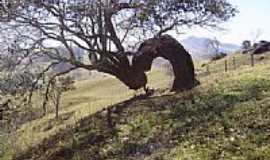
(227, 117)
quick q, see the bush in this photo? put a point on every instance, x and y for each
(218, 56)
(67, 83)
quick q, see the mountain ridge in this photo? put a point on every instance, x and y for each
(198, 47)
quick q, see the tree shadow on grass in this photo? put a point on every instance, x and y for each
(156, 122)
(142, 126)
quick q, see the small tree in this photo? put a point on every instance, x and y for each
(246, 44)
(67, 83)
(58, 87)
(213, 45)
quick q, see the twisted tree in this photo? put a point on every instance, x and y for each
(35, 30)
(167, 47)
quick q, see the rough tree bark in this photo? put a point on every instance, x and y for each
(117, 64)
(164, 46)
(169, 48)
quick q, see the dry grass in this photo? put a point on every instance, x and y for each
(89, 97)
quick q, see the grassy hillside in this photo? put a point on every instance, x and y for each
(89, 97)
(226, 117)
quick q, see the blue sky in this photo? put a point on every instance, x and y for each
(253, 18)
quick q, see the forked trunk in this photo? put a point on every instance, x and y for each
(170, 49)
(118, 65)
(164, 46)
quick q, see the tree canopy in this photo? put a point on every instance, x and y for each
(105, 29)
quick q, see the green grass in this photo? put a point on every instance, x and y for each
(228, 120)
(227, 117)
(89, 97)
(234, 61)
(240, 130)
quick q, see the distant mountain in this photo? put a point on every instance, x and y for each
(199, 48)
(79, 54)
(63, 66)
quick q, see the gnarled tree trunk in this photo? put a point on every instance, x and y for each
(169, 48)
(117, 64)
(164, 46)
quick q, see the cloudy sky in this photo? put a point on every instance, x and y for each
(253, 18)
